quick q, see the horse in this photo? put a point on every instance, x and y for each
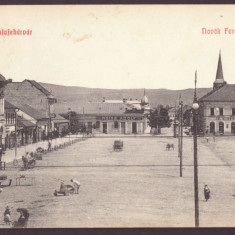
(170, 146)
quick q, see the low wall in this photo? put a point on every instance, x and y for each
(9, 155)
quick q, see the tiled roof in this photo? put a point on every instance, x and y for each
(103, 108)
(9, 105)
(60, 119)
(2, 78)
(108, 109)
(32, 112)
(21, 122)
(39, 87)
(225, 93)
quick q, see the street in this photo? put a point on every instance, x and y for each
(137, 187)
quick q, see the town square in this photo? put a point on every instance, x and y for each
(113, 117)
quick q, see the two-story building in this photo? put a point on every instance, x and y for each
(217, 108)
(32, 94)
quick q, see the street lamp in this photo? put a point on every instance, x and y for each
(181, 138)
(16, 110)
(195, 126)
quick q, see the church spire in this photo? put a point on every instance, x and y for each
(219, 80)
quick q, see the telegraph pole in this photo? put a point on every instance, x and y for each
(180, 134)
(15, 134)
(195, 126)
(181, 138)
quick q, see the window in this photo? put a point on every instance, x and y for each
(233, 111)
(212, 112)
(97, 124)
(116, 124)
(221, 111)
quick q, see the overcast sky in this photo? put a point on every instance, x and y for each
(151, 46)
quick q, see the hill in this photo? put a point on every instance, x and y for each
(74, 97)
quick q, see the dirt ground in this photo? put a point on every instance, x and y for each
(137, 187)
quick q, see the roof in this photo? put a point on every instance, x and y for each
(103, 108)
(225, 93)
(2, 78)
(21, 122)
(219, 75)
(39, 87)
(32, 112)
(9, 105)
(60, 119)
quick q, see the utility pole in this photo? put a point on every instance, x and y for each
(181, 138)
(15, 133)
(175, 122)
(179, 135)
(195, 126)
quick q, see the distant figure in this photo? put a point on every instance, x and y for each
(24, 217)
(0, 157)
(207, 139)
(7, 215)
(76, 185)
(49, 145)
(207, 192)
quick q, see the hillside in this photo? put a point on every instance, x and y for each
(74, 97)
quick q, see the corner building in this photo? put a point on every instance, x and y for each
(217, 108)
(116, 116)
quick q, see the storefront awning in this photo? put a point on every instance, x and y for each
(21, 122)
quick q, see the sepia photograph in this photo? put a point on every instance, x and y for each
(117, 116)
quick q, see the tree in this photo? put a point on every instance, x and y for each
(158, 118)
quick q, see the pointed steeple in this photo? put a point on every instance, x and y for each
(219, 80)
(144, 100)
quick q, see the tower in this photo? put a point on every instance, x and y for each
(144, 100)
(219, 80)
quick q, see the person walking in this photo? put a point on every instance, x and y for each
(7, 215)
(207, 192)
(76, 185)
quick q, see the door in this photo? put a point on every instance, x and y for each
(212, 127)
(221, 128)
(123, 127)
(105, 127)
(233, 127)
(134, 127)
(89, 127)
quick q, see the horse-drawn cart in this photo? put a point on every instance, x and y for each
(118, 145)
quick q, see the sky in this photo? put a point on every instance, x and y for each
(118, 46)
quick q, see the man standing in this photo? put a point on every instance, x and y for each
(76, 185)
(0, 157)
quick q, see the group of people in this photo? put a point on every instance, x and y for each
(22, 220)
(67, 189)
(27, 159)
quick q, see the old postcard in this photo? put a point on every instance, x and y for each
(117, 116)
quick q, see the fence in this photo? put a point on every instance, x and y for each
(9, 155)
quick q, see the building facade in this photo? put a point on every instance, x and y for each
(217, 108)
(115, 117)
(34, 95)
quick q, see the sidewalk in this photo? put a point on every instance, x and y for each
(9, 155)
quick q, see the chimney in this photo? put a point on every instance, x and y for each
(103, 99)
